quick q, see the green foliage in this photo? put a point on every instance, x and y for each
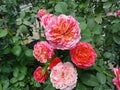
(3, 33)
(16, 25)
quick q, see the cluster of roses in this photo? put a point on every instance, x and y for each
(116, 14)
(62, 32)
(116, 80)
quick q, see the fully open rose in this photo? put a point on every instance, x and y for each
(64, 76)
(43, 51)
(63, 32)
(83, 55)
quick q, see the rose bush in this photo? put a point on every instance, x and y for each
(98, 23)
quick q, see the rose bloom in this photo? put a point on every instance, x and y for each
(116, 80)
(38, 75)
(41, 13)
(83, 55)
(116, 14)
(63, 32)
(43, 51)
(54, 62)
(64, 76)
(46, 19)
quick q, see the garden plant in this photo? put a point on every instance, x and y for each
(59, 45)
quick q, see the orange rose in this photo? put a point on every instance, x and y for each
(83, 55)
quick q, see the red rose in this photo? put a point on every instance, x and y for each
(83, 55)
(54, 62)
(38, 75)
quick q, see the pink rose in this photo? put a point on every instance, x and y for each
(41, 13)
(116, 14)
(63, 32)
(46, 19)
(83, 55)
(116, 80)
(43, 51)
(64, 76)
(38, 75)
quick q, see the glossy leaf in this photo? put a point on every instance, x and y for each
(80, 86)
(61, 7)
(16, 50)
(29, 53)
(116, 39)
(49, 87)
(89, 79)
(3, 32)
(101, 78)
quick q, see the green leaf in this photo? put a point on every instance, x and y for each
(107, 54)
(98, 88)
(23, 70)
(80, 86)
(13, 80)
(23, 29)
(97, 29)
(16, 72)
(27, 23)
(49, 87)
(115, 27)
(104, 0)
(116, 39)
(100, 62)
(1, 22)
(98, 19)
(3, 33)
(83, 25)
(22, 14)
(5, 84)
(16, 39)
(45, 67)
(90, 22)
(21, 76)
(29, 52)
(1, 87)
(61, 7)
(22, 84)
(99, 69)
(101, 78)
(16, 50)
(86, 35)
(7, 50)
(37, 84)
(107, 5)
(89, 79)
(42, 38)
(19, 21)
